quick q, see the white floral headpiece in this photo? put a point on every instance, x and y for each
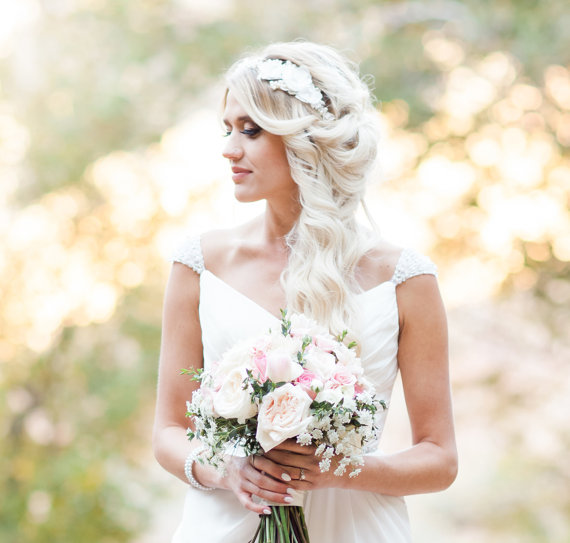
(294, 80)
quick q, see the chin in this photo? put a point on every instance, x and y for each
(245, 197)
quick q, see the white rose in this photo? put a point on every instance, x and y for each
(303, 326)
(281, 367)
(283, 413)
(348, 358)
(331, 395)
(285, 343)
(232, 401)
(319, 362)
(237, 356)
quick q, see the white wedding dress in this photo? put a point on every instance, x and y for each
(333, 515)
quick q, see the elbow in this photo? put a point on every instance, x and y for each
(449, 470)
(157, 445)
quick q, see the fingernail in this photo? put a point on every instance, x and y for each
(267, 511)
(291, 491)
(285, 476)
(288, 499)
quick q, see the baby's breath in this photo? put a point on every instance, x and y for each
(304, 439)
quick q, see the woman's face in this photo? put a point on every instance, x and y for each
(258, 160)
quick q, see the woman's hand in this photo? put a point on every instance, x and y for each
(298, 464)
(246, 478)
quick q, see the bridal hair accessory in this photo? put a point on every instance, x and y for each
(294, 80)
(190, 459)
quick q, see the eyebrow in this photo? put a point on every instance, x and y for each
(242, 119)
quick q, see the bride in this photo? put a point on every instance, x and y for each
(301, 136)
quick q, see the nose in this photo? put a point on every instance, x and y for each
(232, 151)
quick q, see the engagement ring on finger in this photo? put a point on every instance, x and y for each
(302, 476)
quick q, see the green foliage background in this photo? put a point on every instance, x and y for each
(91, 94)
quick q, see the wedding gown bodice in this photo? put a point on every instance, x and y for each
(333, 515)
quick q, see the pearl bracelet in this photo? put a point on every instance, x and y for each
(190, 459)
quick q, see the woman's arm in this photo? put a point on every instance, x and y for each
(430, 464)
(181, 347)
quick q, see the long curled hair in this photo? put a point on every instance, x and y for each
(330, 161)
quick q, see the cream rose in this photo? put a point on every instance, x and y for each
(283, 413)
(231, 401)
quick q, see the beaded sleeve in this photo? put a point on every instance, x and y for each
(410, 264)
(189, 253)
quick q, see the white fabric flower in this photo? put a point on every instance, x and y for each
(310, 95)
(271, 68)
(296, 78)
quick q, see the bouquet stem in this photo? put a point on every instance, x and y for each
(286, 524)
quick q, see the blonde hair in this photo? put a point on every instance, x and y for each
(330, 161)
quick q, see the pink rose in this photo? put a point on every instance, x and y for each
(281, 367)
(305, 381)
(341, 378)
(259, 360)
(283, 413)
(325, 343)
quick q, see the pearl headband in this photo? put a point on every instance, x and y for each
(294, 80)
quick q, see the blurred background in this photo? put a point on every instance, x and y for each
(110, 151)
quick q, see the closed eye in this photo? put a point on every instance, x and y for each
(250, 132)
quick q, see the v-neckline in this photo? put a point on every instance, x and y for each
(241, 294)
(251, 301)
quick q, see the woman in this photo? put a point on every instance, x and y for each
(301, 135)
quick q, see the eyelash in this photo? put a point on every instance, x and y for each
(250, 132)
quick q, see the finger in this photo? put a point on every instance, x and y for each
(277, 471)
(286, 458)
(245, 499)
(276, 497)
(293, 446)
(266, 481)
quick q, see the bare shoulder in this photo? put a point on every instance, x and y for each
(378, 264)
(220, 247)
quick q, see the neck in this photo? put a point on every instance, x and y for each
(278, 221)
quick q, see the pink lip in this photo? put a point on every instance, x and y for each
(239, 173)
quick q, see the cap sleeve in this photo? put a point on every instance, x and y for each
(410, 264)
(189, 253)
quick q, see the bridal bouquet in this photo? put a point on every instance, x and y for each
(299, 382)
